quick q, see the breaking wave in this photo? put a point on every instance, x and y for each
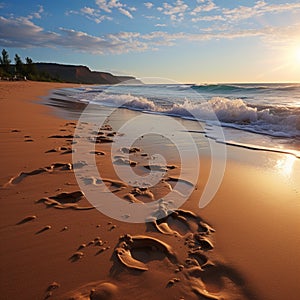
(278, 121)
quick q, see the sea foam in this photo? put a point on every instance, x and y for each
(235, 113)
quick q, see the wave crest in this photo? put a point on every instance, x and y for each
(235, 113)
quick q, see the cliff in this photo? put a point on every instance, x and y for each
(81, 74)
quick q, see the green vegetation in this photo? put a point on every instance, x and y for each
(20, 70)
(5, 61)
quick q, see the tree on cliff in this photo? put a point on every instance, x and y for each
(5, 62)
(30, 68)
(19, 66)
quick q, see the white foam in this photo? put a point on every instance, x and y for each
(233, 113)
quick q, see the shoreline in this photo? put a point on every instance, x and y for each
(34, 260)
(234, 135)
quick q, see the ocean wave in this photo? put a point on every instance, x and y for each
(126, 101)
(236, 88)
(278, 121)
(228, 88)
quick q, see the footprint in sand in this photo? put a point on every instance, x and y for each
(125, 161)
(139, 192)
(27, 219)
(101, 290)
(128, 244)
(189, 270)
(76, 256)
(102, 140)
(97, 152)
(60, 136)
(65, 200)
(49, 169)
(61, 150)
(49, 291)
(130, 150)
(47, 227)
(134, 253)
(181, 222)
(195, 263)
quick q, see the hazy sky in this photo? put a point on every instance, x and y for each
(187, 41)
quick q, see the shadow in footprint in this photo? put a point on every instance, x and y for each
(181, 222)
(135, 252)
(26, 219)
(43, 229)
(76, 256)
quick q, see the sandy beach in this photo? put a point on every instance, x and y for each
(54, 244)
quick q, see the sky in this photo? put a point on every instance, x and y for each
(195, 41)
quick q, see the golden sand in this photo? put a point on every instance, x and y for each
(54, 244)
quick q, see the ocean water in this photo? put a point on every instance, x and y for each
(256, 116)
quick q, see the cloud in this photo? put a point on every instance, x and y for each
(160, 25)
(206, 6)
(108, 6)
(240, 13)
(132, 8)
(283, 37)
(37, 14)
(149, 4)
(125, 12)
(179, 8)
(23, 33)
(208, 18)
(259, 9)
(175, 11)
(151, 17)
(91, 14)
(88, 11)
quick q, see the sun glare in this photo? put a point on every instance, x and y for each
(286, 165)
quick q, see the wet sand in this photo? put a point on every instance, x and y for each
(55, 244)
